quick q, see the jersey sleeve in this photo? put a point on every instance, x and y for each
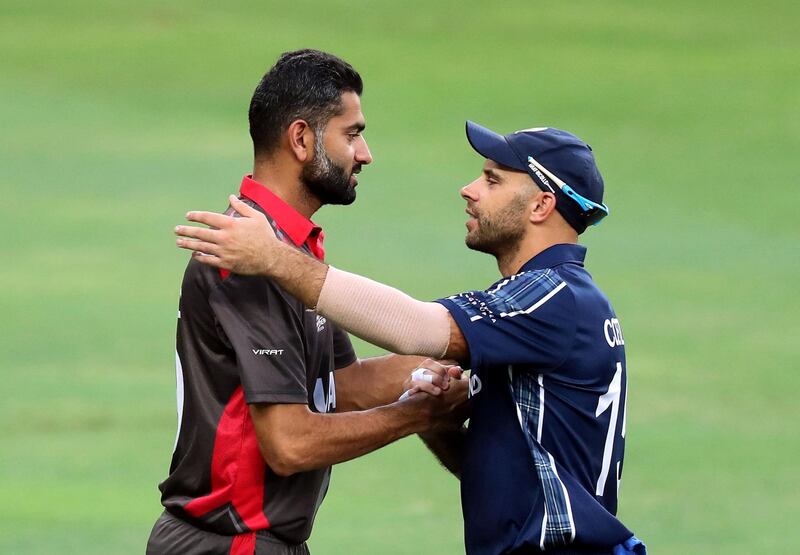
(343, 352)
(525, 319)
(265, 331)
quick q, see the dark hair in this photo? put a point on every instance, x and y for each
(304, 84)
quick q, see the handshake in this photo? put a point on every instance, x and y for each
(440, 391)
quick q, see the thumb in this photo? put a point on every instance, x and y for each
(455, 372)
(243, 208)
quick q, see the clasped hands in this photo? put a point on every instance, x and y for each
(440, 388)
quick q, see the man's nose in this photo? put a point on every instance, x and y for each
(468, 192)
(363, 155)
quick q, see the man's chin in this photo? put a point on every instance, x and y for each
(474, 243)
(340, 193)
(345, 198)
(349, 196)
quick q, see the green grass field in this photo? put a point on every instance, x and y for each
(116, 117)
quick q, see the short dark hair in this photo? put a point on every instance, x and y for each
(304, 84)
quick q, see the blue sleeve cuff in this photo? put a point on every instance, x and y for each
(462, 319)
(631, 546)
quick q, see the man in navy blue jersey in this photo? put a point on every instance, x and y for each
(541, 459)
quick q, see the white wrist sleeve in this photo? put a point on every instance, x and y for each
(384, 315)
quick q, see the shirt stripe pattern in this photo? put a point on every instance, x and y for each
(558, 526)
(518, 294)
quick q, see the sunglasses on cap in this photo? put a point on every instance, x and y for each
(591, 212)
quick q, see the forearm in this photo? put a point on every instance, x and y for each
(384, 315)
(448, 447)
(373, 382)
(375, 312)
(300, 275)
(297, 443)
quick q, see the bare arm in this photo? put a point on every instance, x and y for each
(447, 442)
(248, 245)
(373, 382)
(447, 446)
(294, 439)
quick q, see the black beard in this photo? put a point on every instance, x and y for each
(326, 180)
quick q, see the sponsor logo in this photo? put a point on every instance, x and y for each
(540, 175)
(268, 352)
(320, 323)
(613, 333)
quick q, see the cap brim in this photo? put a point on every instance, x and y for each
(493, 146)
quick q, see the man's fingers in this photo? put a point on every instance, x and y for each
(455, 372)
(243, 208)
(422, 374)
(211, 219)
(198, 246)
(408, 393)
(432, 366)
(427, 387)
(201, 233)
(208, 259)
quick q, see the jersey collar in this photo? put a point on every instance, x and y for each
(556, 255)
(296, 226)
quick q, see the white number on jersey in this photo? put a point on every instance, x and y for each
(610, 399)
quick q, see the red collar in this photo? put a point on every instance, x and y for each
(297, 227)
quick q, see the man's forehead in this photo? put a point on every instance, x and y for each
(351, 110)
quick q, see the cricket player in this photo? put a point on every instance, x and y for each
(541, 459)
(264, 382)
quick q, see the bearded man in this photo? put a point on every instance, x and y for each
(262, 378)
(541, 460)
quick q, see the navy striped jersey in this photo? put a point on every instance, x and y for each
(546, 436)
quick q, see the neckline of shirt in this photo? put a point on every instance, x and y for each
(297, 227)
(562, 253)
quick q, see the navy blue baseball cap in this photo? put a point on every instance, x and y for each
(557, 161)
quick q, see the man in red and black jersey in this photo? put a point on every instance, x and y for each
(260, 374)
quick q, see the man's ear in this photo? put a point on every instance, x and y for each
(301, 140)
(541, 206)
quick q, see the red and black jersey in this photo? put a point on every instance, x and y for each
(241, 340)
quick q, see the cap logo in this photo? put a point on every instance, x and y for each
(532, 130)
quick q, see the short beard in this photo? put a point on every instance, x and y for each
(500, 236)
(326, 180)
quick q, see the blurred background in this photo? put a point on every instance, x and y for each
(117, 117)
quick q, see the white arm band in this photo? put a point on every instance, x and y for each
(384, 315)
